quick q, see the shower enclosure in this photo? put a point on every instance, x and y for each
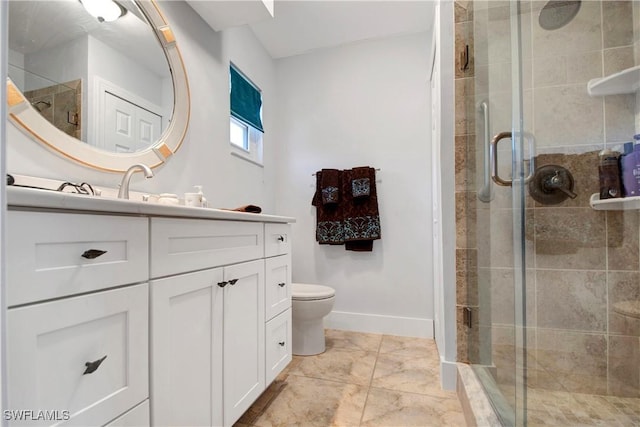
(549, 295)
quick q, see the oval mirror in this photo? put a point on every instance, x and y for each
(106, 94)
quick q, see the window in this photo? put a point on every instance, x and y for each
(245, 128)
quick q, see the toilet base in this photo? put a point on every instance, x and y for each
(308, 337)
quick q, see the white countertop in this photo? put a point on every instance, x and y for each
(18, 197)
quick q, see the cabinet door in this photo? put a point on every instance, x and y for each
(186, 349)
(85, 355)
(277, 285)
(243, 338)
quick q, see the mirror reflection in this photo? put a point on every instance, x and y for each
(107, 83)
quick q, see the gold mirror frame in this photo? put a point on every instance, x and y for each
(28, 119)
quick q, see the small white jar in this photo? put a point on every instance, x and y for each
(168, 199)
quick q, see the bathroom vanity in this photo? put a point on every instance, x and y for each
(132, 313)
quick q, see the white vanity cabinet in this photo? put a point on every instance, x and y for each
(193, 312)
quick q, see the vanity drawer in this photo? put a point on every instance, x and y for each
(278, 345)
(277, 239)
(136, 417)
(49, 345)
(182, 245)
(45, 254)
(278, 285)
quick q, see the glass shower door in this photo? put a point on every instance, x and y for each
(502, 151)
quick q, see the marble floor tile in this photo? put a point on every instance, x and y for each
(408, 346)
(354, 367)
(394, 408)
(331, 389)
(349, 340)
(315, 402)
(406, 373)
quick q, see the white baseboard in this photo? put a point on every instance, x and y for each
(378, 324)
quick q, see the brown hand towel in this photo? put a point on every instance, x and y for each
(328, 217)
(330, 186)
(361, 216)
(360, 182)
(246, 208)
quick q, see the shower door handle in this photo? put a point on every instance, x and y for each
(485, 194)
(494, 158)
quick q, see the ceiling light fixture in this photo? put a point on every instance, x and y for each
(104, 10)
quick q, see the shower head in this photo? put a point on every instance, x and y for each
(557, 13)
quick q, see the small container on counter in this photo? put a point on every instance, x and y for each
(609, 174)
(168, 199)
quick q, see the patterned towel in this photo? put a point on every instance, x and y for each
(329, 230)
(330, 185)
(360, 182)
(355, 220)
(361, 216)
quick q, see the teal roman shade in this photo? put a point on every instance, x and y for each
(246, 100)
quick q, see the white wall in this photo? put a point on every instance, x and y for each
(204, 157)
(16, 67)
(4, 14)
(60, 64)
(362, 104)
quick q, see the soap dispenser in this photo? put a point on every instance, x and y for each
(203, 200)
(195, 199)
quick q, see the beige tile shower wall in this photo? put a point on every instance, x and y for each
(466, 248)
(584, 261)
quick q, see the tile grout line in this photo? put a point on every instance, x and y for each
(373, 371)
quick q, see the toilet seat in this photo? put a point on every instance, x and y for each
(308, 292)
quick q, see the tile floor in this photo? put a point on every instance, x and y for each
(361, 380)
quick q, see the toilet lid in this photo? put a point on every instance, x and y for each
(308, 292)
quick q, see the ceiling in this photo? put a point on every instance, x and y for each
(300, 26)
(39, 25)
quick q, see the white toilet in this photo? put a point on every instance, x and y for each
(310, 304)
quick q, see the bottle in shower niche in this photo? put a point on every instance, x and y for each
(630, 170)
(609, 174)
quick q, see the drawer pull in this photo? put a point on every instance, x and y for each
(281, 284)
(281, 343)
(281, 238)
(93, 253)
(233, 281)
(222, 284)
(93, 366)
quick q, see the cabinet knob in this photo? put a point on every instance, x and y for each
(233, 281)
(281, 238)
(92, 253)
(222, 284)
(281, 343)
(93, 366)
(281, 284)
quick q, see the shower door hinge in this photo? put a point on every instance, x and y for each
(464, 58)
(467, 316)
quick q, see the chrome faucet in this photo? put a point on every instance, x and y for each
(123, 193)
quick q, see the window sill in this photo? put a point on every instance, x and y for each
(244, 155)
